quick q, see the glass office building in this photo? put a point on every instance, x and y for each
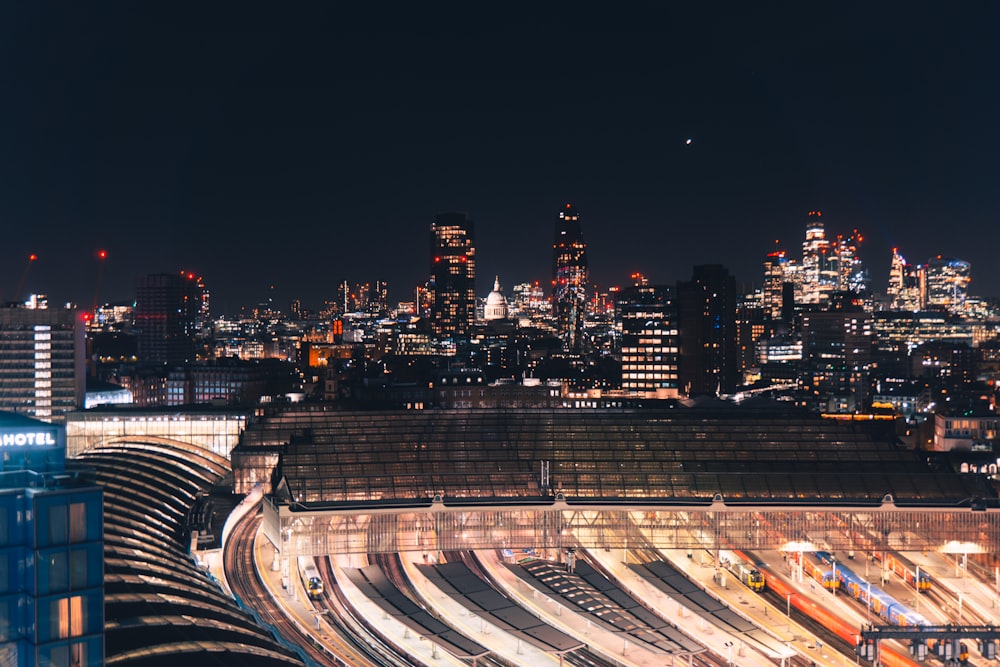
(51, 551)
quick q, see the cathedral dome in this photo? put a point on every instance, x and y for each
(496, 304)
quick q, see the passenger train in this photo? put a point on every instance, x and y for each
(311, 580)
(873, 597)
(747, 573)
(904, 571)
(816, 568)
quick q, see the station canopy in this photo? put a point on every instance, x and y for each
(671, 455)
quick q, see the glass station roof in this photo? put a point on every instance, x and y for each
(648, 455)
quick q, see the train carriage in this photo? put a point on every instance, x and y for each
(311, 580)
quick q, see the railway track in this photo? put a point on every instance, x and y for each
(245, 582)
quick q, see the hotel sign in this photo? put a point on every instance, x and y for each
(10, 439)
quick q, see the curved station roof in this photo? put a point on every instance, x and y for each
(160, 609)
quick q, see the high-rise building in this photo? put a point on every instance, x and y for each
(818, 278)
(649, 338)
(905, 289)
(570, 276)
(838, 349)
(51, 551)
(774, 280)
(170, 311)
(453, 274)
(42, 361)
(827, 266)
(948, 283)
(706, 319)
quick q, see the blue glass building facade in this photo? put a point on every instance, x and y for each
(51, 552)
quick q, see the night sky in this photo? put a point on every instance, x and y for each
(295, 145)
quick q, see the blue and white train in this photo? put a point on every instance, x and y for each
(873, 597)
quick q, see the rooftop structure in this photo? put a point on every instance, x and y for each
(459, 479)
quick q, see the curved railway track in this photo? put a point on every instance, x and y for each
(366, 642)
(339, 642)
(244, 580)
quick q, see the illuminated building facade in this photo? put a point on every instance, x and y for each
(827, 266)
(649, 338)
(906, 284)
(706, 319)
(774, 281)
(170, 310)
(838, 349)
(453, 274)
(819, 276)
(948, 283)
(51, 552)
(42, 355)
(570, 275)
(902, 332)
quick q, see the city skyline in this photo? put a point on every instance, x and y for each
(286, 150)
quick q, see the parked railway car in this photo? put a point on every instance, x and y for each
(311, 580)
(881, 603)
(814, 567)
(747, 573)
(904, 571)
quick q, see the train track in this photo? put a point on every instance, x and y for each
(583, 657)
(364, 642)
(245, 582)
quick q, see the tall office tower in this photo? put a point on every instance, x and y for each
(453, 274)
(851, 275)
(819, 273)
(751, 326)
(570, 276)
(948, 283)
(51, 551)
(706, 320)
(649, 338)
(42, 361)
(838, 349)
(170, 310)
(380, 297)
(774, 279)
(905, 289)
(897, 277)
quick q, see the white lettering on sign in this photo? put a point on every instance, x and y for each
(27, 439)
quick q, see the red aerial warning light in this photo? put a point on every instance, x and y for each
(32, 257)
(191, 277)
(102, 254)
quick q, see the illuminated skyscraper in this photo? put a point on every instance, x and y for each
(905, 289)
(774, 281)
(827, 267)
(649, 338)
(948, 283)
(42, 354)
(170, 310)
(453, 274)
(569, 278)
(816, 279)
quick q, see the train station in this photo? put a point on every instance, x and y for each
(528, 491)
